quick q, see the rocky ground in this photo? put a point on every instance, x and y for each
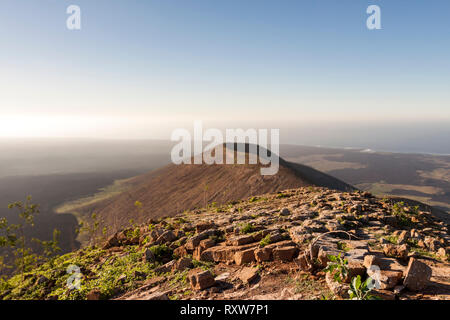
(274, 246)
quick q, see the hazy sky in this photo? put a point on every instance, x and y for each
(138, 69)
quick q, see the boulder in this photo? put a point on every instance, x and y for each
(183, 264)
(396, 251)
(165, 237)
(385, 279)
(204, 226)
(94, 294)
(149, 256)
(165, 267)
(442, 253)
(240, 240)
(285, 253)
(180, 251)
(383, 263)
(417, 275)
(402, 237)
(302, 262)
(244, 256)
(263, 254)
(112, 241)
(201, 280)
(194, 241)
(248, 274)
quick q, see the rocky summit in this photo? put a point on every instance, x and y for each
(306, 243)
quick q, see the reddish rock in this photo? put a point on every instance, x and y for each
(113, 241)
(201, 280)
(180, 251)
(204, 226)
(417, 275)
(355, 268)
(248, 274)
(400, 252)
(285, 253)
(263, 254)
(383, 263)
(245, 256)
(149, 256)
(240, 240)
(302, 262)
(183, 264)
(385, 279)
(93, 295)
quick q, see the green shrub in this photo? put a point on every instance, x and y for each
(247, 228)
(360, 290)
(265, 241)
(338, 267)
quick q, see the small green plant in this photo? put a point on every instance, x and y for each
(14, 235)
(343, 246)
(265, 241)
(282, 195)
(50, 247)
(360, 290)
(404, 213)
(254, 199)
(160, 251)
(247, 228)
(338, 267)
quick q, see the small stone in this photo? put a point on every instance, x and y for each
(392, 250)
(223, 276)
(403, 236)
(149, 256)
(94, 294)
(442, 253)
(398, 289)
(204, 226)
(285, 212)
(417, 275)
(248, 274)
(302, 262)
(157, 296)
(285, 253)
(263, 254)
(165, 267)
(245, 256)
(201, 280)
(240, 240)
(183, 264)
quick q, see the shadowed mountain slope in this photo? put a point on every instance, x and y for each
(176, 188)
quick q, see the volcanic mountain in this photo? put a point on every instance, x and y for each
(176, 188)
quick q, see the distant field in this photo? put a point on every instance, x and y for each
(424, 178)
